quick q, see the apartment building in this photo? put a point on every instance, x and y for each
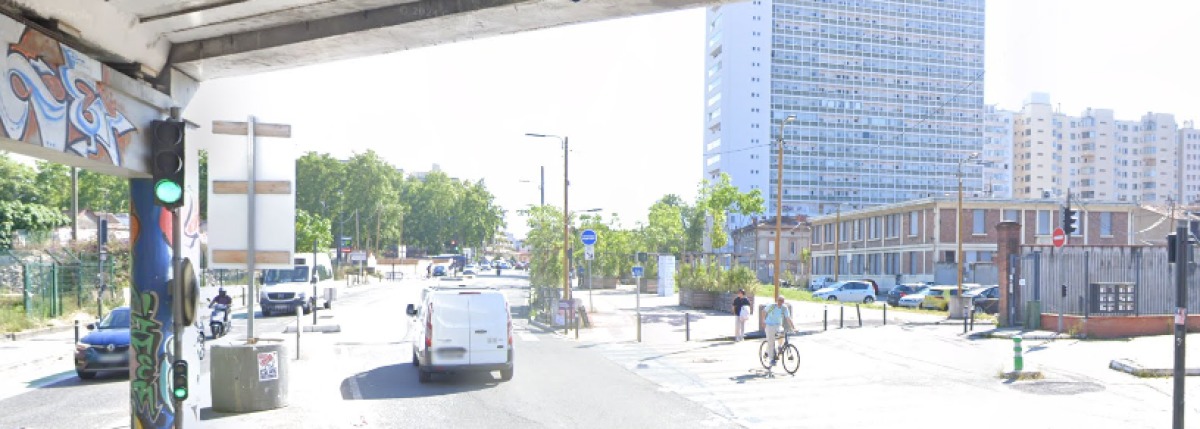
(887, 96)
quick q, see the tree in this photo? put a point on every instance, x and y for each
(53, 183)
(665, 226)
(103, 193)
(545, 238)
(718, 199)
(203, 185)
(20, 216)
(17, 181)
(310, 228)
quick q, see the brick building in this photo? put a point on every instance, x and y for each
(754, 245)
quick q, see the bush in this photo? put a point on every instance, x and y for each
(712, 278)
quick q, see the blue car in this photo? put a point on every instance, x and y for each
(106, 348)
(439, 271)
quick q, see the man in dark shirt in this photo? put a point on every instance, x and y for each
(741, 311)
(222, 299)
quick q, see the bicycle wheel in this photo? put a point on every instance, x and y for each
(791, 358)
(764, 355)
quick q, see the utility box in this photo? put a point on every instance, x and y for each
(1033, 315)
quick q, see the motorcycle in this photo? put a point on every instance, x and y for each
(218, 321)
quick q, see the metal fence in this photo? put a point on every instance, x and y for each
(51, 283)
(1128, 280)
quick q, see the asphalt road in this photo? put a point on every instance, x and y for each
(362, 377)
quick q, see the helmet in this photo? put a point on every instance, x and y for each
(221, 291)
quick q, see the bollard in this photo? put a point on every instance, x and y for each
(1018, 360)
(972, 320)
(841, 316)
(687, 327)
(576, 325)
(639, 327)
(76, 331)
(299, 314)
(858, 311)
(826, 319)
(885, 314)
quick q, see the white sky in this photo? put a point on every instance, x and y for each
(629, 93)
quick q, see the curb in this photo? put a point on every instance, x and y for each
(15, 336)
(32, 362)
(541, 326)
(1135, 369)
(1051, 337)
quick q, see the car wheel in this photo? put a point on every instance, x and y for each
(506, 374)
(416, 362)
(86, 375)
(868, 300)
(424, 376)
(831, 298)
(265, 312)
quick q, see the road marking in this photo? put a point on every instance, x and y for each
(354, 392)
(525, 336)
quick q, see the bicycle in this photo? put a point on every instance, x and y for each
(787, 354)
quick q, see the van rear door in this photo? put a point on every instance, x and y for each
(451, 339)
(489, 328)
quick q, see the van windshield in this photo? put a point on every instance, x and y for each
(299, 274)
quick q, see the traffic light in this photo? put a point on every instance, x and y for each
(1069, 220)
(641, 257)
(166, 143)
(454, 245)
(179, 378)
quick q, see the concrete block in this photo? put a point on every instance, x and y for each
(249, 377)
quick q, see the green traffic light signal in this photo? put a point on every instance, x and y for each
(180, 393)
(168, 191)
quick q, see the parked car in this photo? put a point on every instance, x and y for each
(470, 270)
(820, 283)
(985, 300)
(106, 347)
(850, 291)
(938, 297)
(913, 300)
(464, 329)
(900, 291)
(440, 270)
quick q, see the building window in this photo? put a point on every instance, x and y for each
(978, 223)
(792, 246)
(1106, 224)
(1043, 222)
(913, 263)
(914, 224)
(1012, 215)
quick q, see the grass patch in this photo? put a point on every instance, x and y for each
(807, 296)
(1023, 375)
(14, 319)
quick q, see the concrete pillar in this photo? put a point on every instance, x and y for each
(1008, 236)
(151, 316)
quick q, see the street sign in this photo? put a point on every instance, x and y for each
(588, 237)
(1060, 237)
(589, 252)
(358, 256)
(638, 271)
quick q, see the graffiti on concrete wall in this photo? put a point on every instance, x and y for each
(56, 97)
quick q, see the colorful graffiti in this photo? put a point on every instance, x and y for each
(56, 97)
(153, 333)
(146, 338)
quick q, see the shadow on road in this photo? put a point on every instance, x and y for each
(102, 378)
(400, 381)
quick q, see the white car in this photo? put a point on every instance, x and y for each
(913, 300)
(850, 291)
(462, 329)
(820, 283)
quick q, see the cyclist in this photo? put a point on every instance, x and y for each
(775, 315)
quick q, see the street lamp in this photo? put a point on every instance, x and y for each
(959, 233)
(566, 220)
(779, 203)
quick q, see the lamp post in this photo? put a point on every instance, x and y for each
(959, 233)
(779, 202)
(566, 216)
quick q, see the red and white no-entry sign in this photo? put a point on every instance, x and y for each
(1060, 237)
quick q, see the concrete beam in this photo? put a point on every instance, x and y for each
(307, 31)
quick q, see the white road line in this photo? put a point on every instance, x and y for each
(525, 336)
(354, 392)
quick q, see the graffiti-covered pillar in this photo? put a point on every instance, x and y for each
(150, 325)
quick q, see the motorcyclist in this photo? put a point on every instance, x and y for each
(222, 299)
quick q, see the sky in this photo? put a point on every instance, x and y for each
(629, 94)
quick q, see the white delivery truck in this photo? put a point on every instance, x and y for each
(284, 290)
(462, 329)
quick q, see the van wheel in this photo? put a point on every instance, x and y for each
(506, 374)
(424, 377)
(416, 362)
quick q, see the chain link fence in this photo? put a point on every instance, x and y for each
(46, 284)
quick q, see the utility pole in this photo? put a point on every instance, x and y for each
(1182, 250)
(74, 204)
(837, 237)
(566, 227)
(542, 186)
(779, 204)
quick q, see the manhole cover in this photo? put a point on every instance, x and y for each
(1058, 387)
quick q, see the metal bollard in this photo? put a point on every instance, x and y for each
(577, 324)
(299, 315)
(858, 311)
(826, 319)
(841, 316)
(972, 320)
(885, 314)
(687, 327)
(77, 332)
(1018, 360)
(639, 327)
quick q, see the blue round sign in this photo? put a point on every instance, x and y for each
(588, 237)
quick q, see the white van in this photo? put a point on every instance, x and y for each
(284, 290)
(462, 329)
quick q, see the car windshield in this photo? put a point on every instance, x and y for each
(297, 274)
(116, 319)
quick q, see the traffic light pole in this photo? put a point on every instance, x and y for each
(176, 288)
(1182, 247)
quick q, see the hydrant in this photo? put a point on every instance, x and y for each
(1018, 361)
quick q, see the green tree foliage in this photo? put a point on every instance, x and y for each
(53, 183)
(310, 228)
(717, 200)
(17, 181)
(19, 216)
(665, 232)
(103, 193)
(545, 238)
(203, 185)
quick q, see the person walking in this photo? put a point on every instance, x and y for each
(776, 315)
(742, 311)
